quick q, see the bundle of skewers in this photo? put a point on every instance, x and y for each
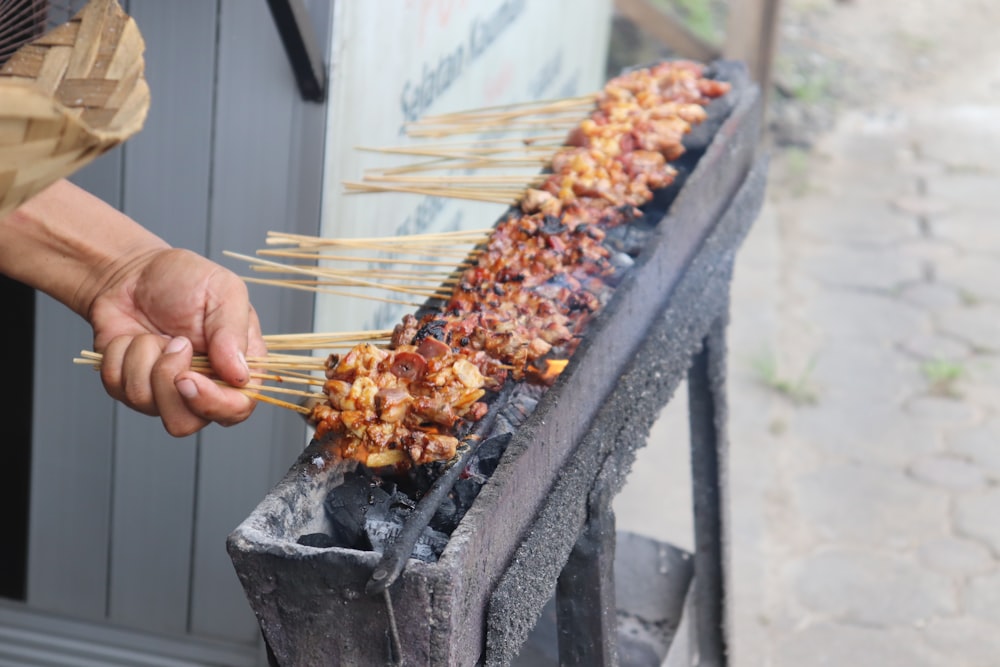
(508, 303)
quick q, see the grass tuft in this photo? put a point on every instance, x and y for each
(942, 376)
(797, 389)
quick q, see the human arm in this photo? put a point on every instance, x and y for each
(151, 306)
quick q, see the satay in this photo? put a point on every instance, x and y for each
(532, 288)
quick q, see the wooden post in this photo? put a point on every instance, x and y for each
(667, 30)
(751, 35)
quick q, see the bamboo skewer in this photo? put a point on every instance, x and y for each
(372, 334)
(321, 290)
(301, 409)
(456, 180)
(318, 272)
(497, 197)
(503, 117)
(347, 258)
(583, 100)
(375, 239)
(402, 289)
(540, 144)
(478, 163)
(435, 277)
(277, 390)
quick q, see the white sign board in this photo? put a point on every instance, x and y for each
(394, 61)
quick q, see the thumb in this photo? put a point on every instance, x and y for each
(227, 330)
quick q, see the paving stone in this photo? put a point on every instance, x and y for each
(836, 645)
(974, 232)
(931, 296)
(922, 205)
(930, 346)
(971, 153)
(873, 587)
(870, 317)
(965, 188)
(956, 556)
(853, 375)
(922, 168)
(978, 325)
(976, 516)
(930, 251)
(854, 221)
(965, 640)
(982, 597)
(867, 268)
(870, 505)
(877, 434)
(983, 392)
(949, 472)
(942, 411)
(975, 277)
(980, 444)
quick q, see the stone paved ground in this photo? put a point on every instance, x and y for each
(865, 373)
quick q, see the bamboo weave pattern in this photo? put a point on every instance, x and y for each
(67, 97)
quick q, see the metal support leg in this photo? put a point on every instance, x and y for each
(706, 390)
(585, 592)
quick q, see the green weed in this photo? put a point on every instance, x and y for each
(797, 389)
(942, 376)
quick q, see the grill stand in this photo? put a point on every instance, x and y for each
(591, 631)
(658, 598)
(479, 603)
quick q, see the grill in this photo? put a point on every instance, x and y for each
(539, 541)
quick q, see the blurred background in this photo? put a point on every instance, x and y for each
(864, 377)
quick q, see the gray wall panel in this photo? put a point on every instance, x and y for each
(166, 188)
(254, 144)
(152, 516)
(71, 451)
(229, 152)
(70, 472)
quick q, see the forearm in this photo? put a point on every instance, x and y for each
(69, 244)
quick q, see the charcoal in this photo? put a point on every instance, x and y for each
(487, 457)
(383, 532)
(318, 540)
(457, 503)
(345, 507)
(522, 403)
(447, 516)
(622, 262)
(628, 239)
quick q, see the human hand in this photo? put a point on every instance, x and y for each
(158, 310)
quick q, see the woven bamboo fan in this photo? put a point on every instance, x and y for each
(67, 97)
